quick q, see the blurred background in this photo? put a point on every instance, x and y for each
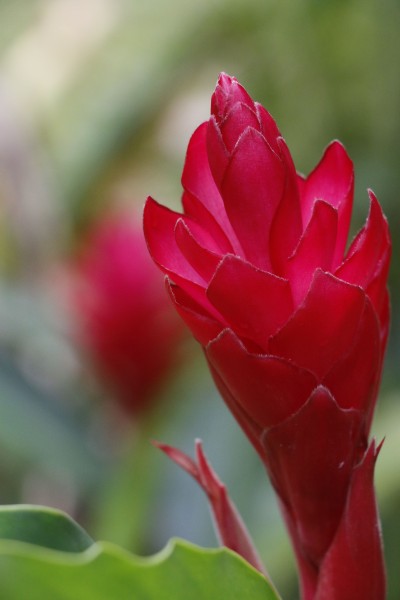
(97, 103)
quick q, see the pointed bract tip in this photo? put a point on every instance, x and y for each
(376, 448)
(198, 445)
(225, 81)
(376, 213)
(372, 196)
(338, 145)
(210, 480)
(227, 93)
(157, 444)
(178, 457)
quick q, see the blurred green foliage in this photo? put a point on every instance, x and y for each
(97, 103)
(45, 554)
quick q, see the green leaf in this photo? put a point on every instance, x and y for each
(42, 526)
(106, 572)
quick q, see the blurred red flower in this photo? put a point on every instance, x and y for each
(125, 322)
(293, 326)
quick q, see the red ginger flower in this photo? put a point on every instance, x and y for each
(293, 326)
(126, 323)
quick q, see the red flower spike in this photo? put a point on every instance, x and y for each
(228, 523)
(294, 328)
(123, 320)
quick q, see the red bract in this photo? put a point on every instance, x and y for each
(293, 325)
(228, 522)
(126, 323)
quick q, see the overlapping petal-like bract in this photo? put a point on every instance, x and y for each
(293, 325)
